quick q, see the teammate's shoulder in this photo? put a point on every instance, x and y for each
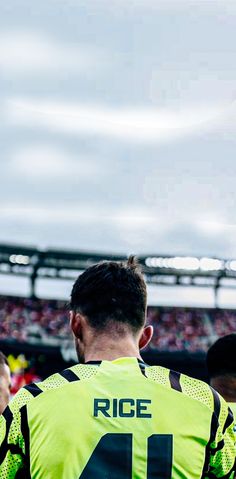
(191, 387)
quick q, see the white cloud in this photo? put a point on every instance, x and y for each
(227, 5)
(82, 213)
(137, 124)
(57, 214)
(136, 220)
(31, 53)
(47, 162)
(210, 225)
(133, 219)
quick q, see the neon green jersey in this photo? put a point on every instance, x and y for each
(232, 406)
(117, 419)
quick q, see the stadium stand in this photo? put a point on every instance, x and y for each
(38, 331)
(175, 329)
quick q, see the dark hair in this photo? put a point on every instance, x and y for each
(3, 359)
(221, 357)
(111, 292)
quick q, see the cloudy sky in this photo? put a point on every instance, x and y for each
(118, 124)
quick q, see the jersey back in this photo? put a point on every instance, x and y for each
(123, 420)
(117, 422)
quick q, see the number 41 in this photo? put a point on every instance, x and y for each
(112, 457)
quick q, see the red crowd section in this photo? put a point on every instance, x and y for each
(175, 329)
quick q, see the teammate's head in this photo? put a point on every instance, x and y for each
(109, 298)
(221, 364)
(5, 382)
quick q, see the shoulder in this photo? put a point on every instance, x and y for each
(58, 380)
(193, 388)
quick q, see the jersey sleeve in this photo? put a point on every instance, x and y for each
(222, 451)
(12, 443)
(14, 453)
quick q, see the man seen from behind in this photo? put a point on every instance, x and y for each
(112, 415)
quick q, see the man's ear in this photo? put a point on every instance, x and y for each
(76, 320)
(146, 336)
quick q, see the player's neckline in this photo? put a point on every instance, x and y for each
(93, 362)
(100, 361)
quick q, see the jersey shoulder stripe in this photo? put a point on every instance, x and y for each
(8, 416)
(33, 389)
(213, 433)
(142, 367)
(55, 381)
(191, 387)
(25, 435)
(69, 375)
(174, 378)
(229, 420)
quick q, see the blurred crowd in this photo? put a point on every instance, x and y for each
(177, 329)
(37, 320)
(25, 319)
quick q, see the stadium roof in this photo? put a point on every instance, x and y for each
(162, 270)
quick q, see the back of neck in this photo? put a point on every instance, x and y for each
(111, 349)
